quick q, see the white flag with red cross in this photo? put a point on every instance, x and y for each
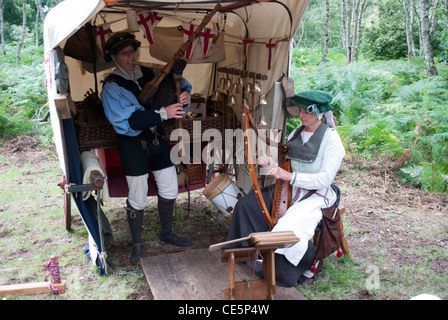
(208, 47)
(188, 30)
(147, 21)
(207, 36)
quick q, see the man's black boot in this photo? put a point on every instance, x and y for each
(135, 221)
(166, 208)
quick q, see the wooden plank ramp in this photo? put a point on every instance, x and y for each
(198, 275)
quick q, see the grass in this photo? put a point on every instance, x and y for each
(32, 230)
(350, 278)
(339, 279)
(31, 202)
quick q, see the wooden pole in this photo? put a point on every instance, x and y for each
(29, 288)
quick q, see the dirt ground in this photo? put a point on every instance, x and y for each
(381, 214)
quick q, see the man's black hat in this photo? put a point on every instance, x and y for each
(117, 42)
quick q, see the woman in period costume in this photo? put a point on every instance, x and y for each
(316, 152)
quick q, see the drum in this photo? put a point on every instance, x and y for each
(223, 193)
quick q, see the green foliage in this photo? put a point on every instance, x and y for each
(23, 90)
(292, 124)
(430, 167)
(13, 19)
(384, 107)
(311, 29)
(443, 57)
(384, 34)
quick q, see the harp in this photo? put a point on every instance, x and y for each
(283, 190)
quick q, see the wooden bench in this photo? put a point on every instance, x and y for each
(260, 250)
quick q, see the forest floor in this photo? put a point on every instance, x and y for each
(395, 229)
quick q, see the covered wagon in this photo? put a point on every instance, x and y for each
(238, 58)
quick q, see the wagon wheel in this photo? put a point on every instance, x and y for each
(67, 205)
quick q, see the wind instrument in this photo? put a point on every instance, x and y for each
(178, 68)
(149, 65)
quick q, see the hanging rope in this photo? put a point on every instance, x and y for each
(52, 267)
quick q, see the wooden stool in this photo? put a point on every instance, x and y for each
(254, 289)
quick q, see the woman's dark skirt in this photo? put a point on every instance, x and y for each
(248, 218)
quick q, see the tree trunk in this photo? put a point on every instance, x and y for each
(412, 21)
(426, 38)
(38, 14)
(409, 30)
(434, 19)
(351, 13)
(346, 18)
(39, 8)
(37, 27)
(298, 40)
(357, 18)
(327, 25)
(1, 28)
(419, 21)
(354, 23)
(22, 38)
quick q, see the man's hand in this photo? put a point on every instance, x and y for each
(175, 110)
(184, 98)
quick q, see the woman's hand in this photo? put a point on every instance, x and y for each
(175, 110)
(279, 173)
(184, 98)
(266, 161)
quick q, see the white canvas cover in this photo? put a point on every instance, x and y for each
(262, 24)
(256, 38)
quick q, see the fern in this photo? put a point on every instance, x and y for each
(384, 107)
(432, 178)
(413, 171)
(22, 90)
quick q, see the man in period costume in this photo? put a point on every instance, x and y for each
(142, 143)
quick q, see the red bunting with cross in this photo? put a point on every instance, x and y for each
(247, 42)
(208, 47)
(271, 47)
(207, 36)
(103, 34)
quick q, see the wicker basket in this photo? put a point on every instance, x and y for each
(194, 173)
(190, 174)
(218, 123)
(93, 129)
